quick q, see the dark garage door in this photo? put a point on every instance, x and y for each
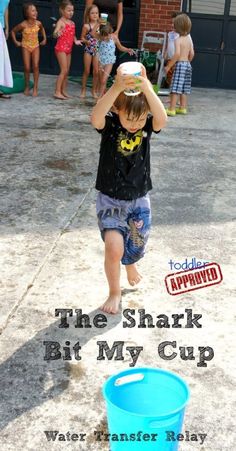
(214, 37)
(49, 9)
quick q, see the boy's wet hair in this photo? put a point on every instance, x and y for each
(134, 106)
(25, 8)
(87, 12)
(105, 30)
(64, 3)
(182, 24)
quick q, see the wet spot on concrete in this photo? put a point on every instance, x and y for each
(76, 190)
(126, 291)
(86, 174)
(75, 369)
(133, 304)
(62, 165)
(40, 141)
(101, 427)
(49, 125)
(21, 134)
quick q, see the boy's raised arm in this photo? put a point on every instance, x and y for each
(104, 105)
(156, 106)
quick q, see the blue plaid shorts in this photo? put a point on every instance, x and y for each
(131, 218)
(182, 77)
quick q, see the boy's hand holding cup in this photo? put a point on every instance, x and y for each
(135, 74)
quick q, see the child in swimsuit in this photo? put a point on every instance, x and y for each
(108, 41)
(30, 29)
(91, 49)
(65, 34)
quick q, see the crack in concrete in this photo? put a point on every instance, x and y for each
(45, 259)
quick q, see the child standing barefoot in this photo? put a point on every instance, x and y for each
(108, 41)
(91, 49)
(65, 34)
(123, 178)
(30, 29)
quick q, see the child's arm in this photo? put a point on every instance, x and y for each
(121, 47)
(119, 17)
(77, 41)
(191, 53)
(42, 30)
(104, 105)
(175, 57)
(156, 106)
(58, 28)
(83, 34)
(16, 29)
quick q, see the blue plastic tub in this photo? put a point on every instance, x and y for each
(145, 409)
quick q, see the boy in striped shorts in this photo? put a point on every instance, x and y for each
(182, 77)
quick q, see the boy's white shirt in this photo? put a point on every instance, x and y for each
(172, 36)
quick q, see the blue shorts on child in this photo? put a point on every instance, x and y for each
(131, 218)
(182, 77)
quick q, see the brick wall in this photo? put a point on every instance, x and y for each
(155, 15)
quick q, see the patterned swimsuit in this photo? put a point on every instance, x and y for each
(92, 48)
(66, 40)
(30, 40)
(107, 52)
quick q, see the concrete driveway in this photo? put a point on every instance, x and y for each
(52, 258)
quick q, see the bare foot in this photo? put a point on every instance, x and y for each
(59, 97)
(82, 94)
(66, 95)
(27, 92)
(94, 95)
(112, 303)
(35, 93)
(133, 275)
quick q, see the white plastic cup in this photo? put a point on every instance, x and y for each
(104, 17)
(131, 68)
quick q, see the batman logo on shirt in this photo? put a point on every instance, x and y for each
(129, 145)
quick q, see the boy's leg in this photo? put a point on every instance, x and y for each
(173, 101)
(183, 101)
(114, 249)
(35, 67)
(26, 60)
(139, 221)
(186, 89)
(133, 275)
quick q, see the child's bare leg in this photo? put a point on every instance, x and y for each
(114, 249)
(183, 101)
(35, 66)
(173, 100)
(133, 275)
(26, 60)
(95, 86)
(105, 72)
(65, 81)
(87, 65)
(62, 61)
